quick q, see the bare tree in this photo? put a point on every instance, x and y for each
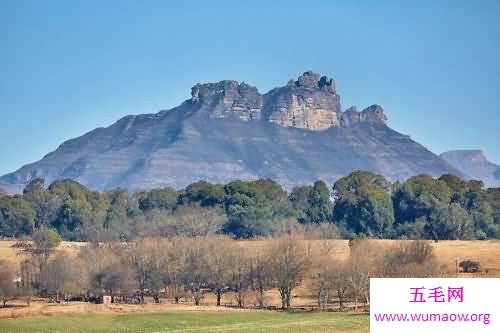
(175, 253)
(43, 245)
(218, 251)
(194, 268)
(7, 285)
(59, 276)
(324, 231)
(290, 264)
(102, 270)
(410, 259)
(340, 282)
(287, 227)
(261, 274)
(195, 221)
(360, 266)
(145, 259)
(322, 280)
(240, 278)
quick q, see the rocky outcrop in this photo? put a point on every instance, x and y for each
(474, 164)
(228, 99)
(310, 102)
(372, 114)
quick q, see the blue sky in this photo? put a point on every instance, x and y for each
(70, 66)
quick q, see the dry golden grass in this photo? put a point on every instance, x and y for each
(40, 307)
(447, 252)
(7, 251)
(486, 252)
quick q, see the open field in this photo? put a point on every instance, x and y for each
(42, 316)
(487, 252)
(193, 321)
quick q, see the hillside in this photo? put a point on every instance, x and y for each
(293, 134)
(475, 165)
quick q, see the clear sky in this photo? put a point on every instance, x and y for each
(70, 66)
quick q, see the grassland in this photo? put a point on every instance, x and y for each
(41, 316)
(203, 321)
(487, 252)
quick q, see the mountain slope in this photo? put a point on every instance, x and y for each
(474, 164)
(294, 134)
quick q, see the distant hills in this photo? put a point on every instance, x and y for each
(294, 134)
(475, 165)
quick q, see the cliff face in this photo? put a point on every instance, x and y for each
(311, 102)
(228, 99)
(294, 134)
(475, 165)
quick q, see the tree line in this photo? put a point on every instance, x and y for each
(361, 203)
(187, 269)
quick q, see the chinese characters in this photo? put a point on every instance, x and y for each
(436, 295)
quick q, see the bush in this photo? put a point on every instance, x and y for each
(469, 266)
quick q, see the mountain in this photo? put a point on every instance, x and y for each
(475, 165)
(294, 134)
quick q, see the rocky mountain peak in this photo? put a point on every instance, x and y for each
(311, 80)
(228, 98)
(310, 102)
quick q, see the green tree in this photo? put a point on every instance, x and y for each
(449, 222)
(494, 199)
(419, 197)
(17, 218)
(299, 199)
(45, 204)
(312, 204)
(363, 204)
(320, 206)
(252, 207)
(477, 204)
(82, 212)
(165, 198)
(203, 193)
(120, 214)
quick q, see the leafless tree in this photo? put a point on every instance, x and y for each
(321, 231)
(322, 279)
(261, 273)
(290, 264)
(195, 221)
(288, 227)
(240, 278)
(362, 263)
(340, 282)
(145, 259)
(27, 272)
(175, 252)
(194, 270)
(102, 270)
(410, 259)
(59, 276)
(218, 251)
(7, 285)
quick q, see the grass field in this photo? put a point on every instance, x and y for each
(205, 321)
(42, 316)
(487, 252)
